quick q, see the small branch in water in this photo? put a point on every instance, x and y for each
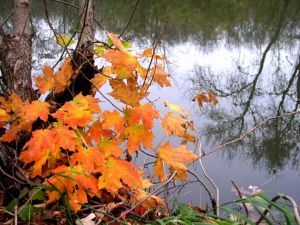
(240, 195)
(248, 132)
(216, 202)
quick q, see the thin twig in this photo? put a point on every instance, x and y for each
(130, 18)
(11, 177)
(3, 35)
(217, 206)
(7, 18)
(240, 195)
(87, 2)
(205, 187)
(55, 33)
(16, 215)
(248, 132)
(286, 197)
(153, 53)
(99, 24)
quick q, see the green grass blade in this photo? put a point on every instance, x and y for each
(237, 214)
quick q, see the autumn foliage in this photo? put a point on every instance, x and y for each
(82, 150)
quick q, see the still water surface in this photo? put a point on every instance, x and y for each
(247, 52)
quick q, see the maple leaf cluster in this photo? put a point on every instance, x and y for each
(83, 147)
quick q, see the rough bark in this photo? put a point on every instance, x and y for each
(15, 54)
(16, 59)
(82, 58)
(87, 27)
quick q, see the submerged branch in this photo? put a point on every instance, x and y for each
(248, 132)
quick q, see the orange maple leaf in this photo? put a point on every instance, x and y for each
(175, 157)
(78, 112)
(110, 147)
(89, 158)
(146, 113)
(113, 119)
(58, 81)
(118, 173)
(13, 104)
(128, 93)
(46, 81)
(202, 97)
(4, 117)
(74, 182)
(98, 81)
(62, 78)
(149, 53)
(40, 148)
(212, 98)
(174, 125)
(160, 76)
(122, 63)
(137, 134)
(44, 148)
(36, 109)
(148, 201)
(96, 131)
(65, 138)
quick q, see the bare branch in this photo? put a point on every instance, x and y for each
(248, 132)
(130, 18)
(241, 196)
(7, 18)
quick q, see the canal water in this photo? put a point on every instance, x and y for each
(247, 52)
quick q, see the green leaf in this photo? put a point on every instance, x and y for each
(109, 42)
(161, 222)
(289, 217)
(26, 212)
(64, 40)
(218, 222)
(23, 193)
(36, 194)
(11, 206)
(239, 215)
(126, 44)
(262, 215)
(99, 49)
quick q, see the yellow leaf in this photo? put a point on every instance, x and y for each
(64, 40)
(174, 125)
(99, 49)
(176, 108)
(4, 117)
(175, 157)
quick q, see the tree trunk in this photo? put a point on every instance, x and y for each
(83, 57)
(86, 11)
(15, 57)
(16, 54)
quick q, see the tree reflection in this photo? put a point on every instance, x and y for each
(271, 89)
(248, 99)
